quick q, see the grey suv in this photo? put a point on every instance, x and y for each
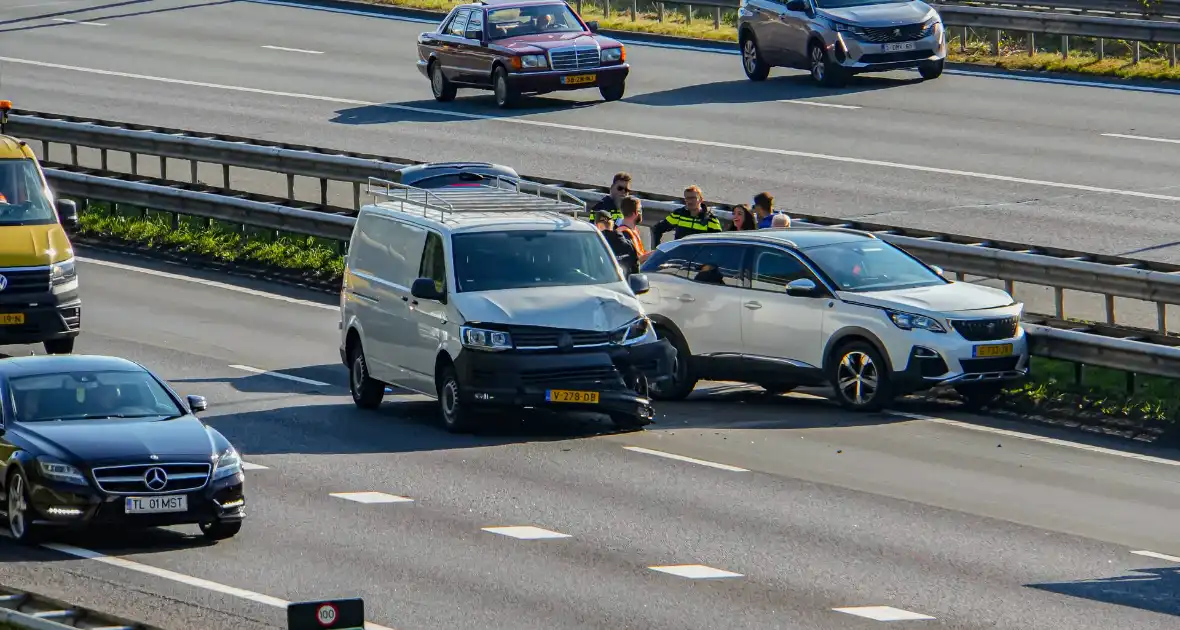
(835, 39)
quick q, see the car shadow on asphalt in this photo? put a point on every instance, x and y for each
(469, 103)
(1153, 590)
(112, 541)
(104, 18)
(784, 88)
(325, 379)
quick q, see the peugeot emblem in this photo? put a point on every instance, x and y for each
(3, 283)
(155, 479)
(565, 341)
(991, 327)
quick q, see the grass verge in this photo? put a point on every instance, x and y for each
(220, 243)
(1013, 55)
(1101, 400)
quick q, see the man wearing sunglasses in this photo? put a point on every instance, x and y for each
(620, 187)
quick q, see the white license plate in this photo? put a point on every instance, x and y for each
(899, 47)
(156, 505)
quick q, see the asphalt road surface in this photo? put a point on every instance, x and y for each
(793, 510)
(1021, 161)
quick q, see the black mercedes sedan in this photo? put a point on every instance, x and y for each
(102, 441)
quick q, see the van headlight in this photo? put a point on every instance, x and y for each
(63, 272)
(638, 330)
(229, 463)
(909, 321)
(483, 339)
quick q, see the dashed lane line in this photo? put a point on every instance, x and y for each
(883, 613)
(249, 466)
(82, 22)
(634, 135)
(695, 571)
(370, 497)
(294, 50)
(297, 379)
(1157, 556)
(525, 532)
(681, 458)
(181, 578)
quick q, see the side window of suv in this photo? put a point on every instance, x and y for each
(718, 264)
(434, 261)
(773, 269)
(674, 262)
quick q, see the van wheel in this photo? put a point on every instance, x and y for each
(456, 416)
(366, 391)
(756, 69)
(860, 377)
(683, 380)
(60, 346)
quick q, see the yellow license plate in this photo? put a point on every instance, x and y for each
(9, 319)
(995, 350)
(578, 78)
(567, 396)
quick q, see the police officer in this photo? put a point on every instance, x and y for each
(691, 218)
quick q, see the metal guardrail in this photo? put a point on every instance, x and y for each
(1011, 262)
(30, 611)
(1059, 23)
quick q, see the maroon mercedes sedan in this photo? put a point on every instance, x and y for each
(517, 47)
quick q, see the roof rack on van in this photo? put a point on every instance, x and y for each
(505, 195)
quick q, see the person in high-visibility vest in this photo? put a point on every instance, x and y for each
(632, 210)
(691, 218)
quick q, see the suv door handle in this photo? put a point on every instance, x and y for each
(753, 305)
(686, 298)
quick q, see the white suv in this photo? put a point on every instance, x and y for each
(487, 297)
(809, 307)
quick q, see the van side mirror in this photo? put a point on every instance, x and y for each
(639, 283)
(67, 212)
(802, 287)
(798, 6)
(197, 403)
(425, 289)
(592, 25)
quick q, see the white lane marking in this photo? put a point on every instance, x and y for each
(681, 458)
(695, 571)
(1148, 138)
(181, 578)
(295, 50)
(370, 497)
(305, 381)
(1158, 556)
(208, 283)
(526, 532)
(835, 105)
(883, 613)
(1036, 438)
(609, 132)
(249, 466)
(67, 21)
(1051, 80)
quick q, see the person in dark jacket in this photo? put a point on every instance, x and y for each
(620, 245)
(619, 187)
(691, 218)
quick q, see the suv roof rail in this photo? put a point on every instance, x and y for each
(504, 195)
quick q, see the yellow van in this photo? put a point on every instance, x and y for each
(39, 301)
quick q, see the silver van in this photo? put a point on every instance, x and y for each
(835, 39)
(489, 297)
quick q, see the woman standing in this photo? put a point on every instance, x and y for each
(743, 219)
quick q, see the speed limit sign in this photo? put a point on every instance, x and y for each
(326, 615)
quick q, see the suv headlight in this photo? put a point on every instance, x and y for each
(63, 272)
(481, 339)
(610, 55)
(58, 471)
(228, 464)
(533, 61)
(841, 27)
(933, 25)
(909, 321)
(638, 330)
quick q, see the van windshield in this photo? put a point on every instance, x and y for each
(517, 259)
(22, 195)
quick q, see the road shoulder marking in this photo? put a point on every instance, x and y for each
(817, 104)
(1147, 138)
(294, 50)
(1157, 556)
(82, 22)
(883, 613)
(682, 458)
(297, 379)
(695, 571)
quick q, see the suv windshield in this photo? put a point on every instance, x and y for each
(871, 265)
(89, 395)
(516, 259)
(533, 20)
(22, 195)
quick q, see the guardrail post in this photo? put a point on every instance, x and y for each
(134, 163)
(579, 7)
(1130, 383)
(963, 41)
(225, 176)
(716, 18)
(74, 154)
(1172, 57)
(1059, 302)
(1135, 54)
(290, 187)
(102, 158)
(634, 9)
(606, 9)
(996, 42)
(45, 150)
(660, 12)
(1101, 49)
(1161, 317)
(1010, 286)
(323, 192)
(1065, 46)
(356, 196)
(688, 14)
(193, 170)
(175, 221)
(163, 167)
(1110, 309)
(1032, 44)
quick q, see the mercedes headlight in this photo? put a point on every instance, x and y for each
(909, 321)
(481, 339)
(534, 61)
(58, 471)
(610, 55)
(63, 272)
(228, 464)
(638, 330)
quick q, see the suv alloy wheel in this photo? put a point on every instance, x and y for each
(860, 377)
(756, 69)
